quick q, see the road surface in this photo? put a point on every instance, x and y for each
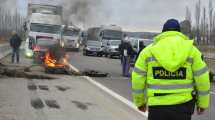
(63, 98)
(119, 84)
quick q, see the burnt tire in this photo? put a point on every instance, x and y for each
(49, 71)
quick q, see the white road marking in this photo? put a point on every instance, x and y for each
(71, 67)
(115, 95)
(213, 93)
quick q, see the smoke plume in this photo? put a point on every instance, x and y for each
(84, 13)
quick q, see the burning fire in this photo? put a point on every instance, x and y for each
(50, 61)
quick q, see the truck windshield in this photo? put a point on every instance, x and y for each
(46, 42)
(45, 28)
(71, 32)
(112, 34)
(92, 34)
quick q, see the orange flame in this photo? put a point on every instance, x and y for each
(51, 62)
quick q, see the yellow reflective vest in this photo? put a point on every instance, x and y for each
(171, 66)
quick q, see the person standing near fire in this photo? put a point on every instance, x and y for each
(126, 53)
(15, 43)
(170, 77)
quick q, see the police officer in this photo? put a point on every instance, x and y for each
(165, 75)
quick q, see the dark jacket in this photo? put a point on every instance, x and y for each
(126, 46)
(141, 47)
(15, 41)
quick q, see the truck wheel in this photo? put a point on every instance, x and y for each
(106, 55)
(49, 71)
(99, 55)
(109, 56)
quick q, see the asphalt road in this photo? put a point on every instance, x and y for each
(63, 98)
(119, 84)
(115, 81)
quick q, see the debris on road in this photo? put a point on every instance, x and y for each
(26, 72)
(32, 87)
(52, 104)
(62, 88)
(93, 73)
(37, 103)
(56, 61)
(43, 87)
(81, 105)
(20, 72)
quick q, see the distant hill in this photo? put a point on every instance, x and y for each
(146, 35)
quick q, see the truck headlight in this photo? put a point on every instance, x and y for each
(29, 54)
(77, 45)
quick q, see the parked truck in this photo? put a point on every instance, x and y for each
(71, 38)
(93, 44)
(45, 9)
(103, 40)
(111, 36)
(43, 28)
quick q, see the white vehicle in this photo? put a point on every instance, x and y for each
(93, 45)
(110, 33)
(71, 37)
(43, 21)
(112, 48)
(42, 26)
(136, 42)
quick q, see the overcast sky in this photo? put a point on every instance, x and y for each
(138, 15)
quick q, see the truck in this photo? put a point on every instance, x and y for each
(42, 25)
(71, 38)
(45, 9)
(111, 36)
(93, 45)
(104, 40)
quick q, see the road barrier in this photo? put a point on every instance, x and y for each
(4, 50)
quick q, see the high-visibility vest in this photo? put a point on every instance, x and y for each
(167, 71)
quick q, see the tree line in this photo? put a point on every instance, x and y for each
(10, 20)
(203, 29)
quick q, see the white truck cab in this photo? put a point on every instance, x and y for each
(108, 34)
(42, 26)
(71, 37)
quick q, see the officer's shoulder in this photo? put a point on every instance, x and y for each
(195, 51)
(146, 50)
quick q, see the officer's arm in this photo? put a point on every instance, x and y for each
(201, 77)
(138, 80)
